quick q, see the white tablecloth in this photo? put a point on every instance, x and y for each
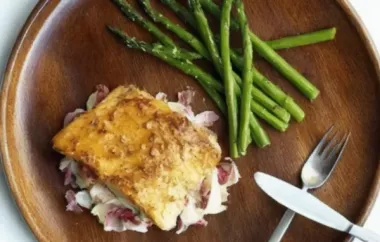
(13, 14)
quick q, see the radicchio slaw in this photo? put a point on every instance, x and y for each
(115, 212)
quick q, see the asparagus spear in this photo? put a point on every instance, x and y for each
(225, 70)
(211, 7)
(178, 53)
(190, 39)
(229, 82)
(206, 34)
(300, 40)
(175, 28)
(307, 88)
(263, 99)
(205, 80)
(303, 39)
(282, 43)
(132, 14)
(268, 103)
(258, 134)
(268, 117)
(247, 80)
(181, 11)
(272, 90)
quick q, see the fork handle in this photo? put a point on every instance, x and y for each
(281, 228)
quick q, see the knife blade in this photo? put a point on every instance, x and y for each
(309, 206)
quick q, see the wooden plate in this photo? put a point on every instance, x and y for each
(64, 51)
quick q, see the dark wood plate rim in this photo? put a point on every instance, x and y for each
(7, 81)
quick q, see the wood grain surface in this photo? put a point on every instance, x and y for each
(64, 51)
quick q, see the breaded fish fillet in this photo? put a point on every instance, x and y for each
(137, 145)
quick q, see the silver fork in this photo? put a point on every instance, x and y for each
(315, 173)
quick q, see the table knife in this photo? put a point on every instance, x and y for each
(310, 207)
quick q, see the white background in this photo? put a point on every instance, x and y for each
(13, 14)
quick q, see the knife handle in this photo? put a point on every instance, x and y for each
(364, 234)
(281, 228)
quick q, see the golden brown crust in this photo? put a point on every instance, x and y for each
(134, 142)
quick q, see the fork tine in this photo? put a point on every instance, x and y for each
(322, 142)
(338, 149)
(327, 150)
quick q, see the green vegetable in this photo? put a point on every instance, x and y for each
(263, 99)
(245, 104)
(213, 8)
(206, 35)
(177, 53)
(175, 28)
(190, 39)
(307, 88)
(282, 43)
(226, 73)
(272, 90)
(183, 12)
(303, 39)
(300, 40)
(269, 104)
(229, 82)
(258, 134)
(261, 112)
(133, 15)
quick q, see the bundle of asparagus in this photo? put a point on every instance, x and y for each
(241, 98)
